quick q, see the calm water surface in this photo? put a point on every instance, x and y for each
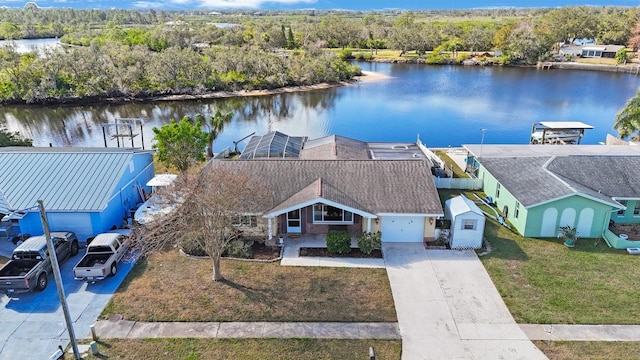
(446, 105)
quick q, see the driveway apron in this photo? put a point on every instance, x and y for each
(448, 307)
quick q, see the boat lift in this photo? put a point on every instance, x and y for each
(558, 132)
(128, 124)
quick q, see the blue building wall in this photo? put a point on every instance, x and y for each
(126, 196)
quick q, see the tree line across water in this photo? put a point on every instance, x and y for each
(128, 53)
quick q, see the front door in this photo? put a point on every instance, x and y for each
(293, 222)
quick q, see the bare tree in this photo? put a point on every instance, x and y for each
(207, 208)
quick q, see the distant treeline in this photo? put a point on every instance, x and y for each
(126, 53)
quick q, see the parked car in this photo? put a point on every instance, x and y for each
(30, 264)
(102, 256)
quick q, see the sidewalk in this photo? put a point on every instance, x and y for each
(561, 332)
(122, 329)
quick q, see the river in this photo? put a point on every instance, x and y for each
(445, 105)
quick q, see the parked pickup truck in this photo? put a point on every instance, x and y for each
(30, 264)
(101, 259)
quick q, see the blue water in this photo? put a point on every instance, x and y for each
(319, 4)
(445, 105)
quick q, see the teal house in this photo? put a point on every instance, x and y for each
(540, 188)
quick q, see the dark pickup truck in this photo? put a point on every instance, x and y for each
(30, 264)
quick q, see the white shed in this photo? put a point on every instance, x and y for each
(467, 223)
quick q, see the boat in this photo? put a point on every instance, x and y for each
(558, 132)
(152, 207)
(553, 137)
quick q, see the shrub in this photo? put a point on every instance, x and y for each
(239, 248)
(345, 54)
(367, 242)
(192, 247)
(338, 242)
(462, 57)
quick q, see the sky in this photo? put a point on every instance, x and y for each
(312, 4)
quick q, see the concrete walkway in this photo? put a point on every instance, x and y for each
(561, 332)
(282, 330)
(448, 308)
(291, 257)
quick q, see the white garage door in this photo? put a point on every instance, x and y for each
(402, 228)
(80, 223)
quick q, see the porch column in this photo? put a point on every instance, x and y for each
(368, 224)
(270, 230)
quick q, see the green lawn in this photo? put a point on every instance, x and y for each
(544, 282)
(246, 349)
(457, 171)
(172, 287)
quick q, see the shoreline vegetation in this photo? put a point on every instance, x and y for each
(120, 56)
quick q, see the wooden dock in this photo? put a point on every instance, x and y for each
(545, 65)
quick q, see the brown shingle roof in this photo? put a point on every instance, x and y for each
(375, 186)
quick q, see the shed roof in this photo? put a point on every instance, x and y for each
(462, 205)
(373, 186)
(66, 179)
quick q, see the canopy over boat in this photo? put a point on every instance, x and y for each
(162, 180)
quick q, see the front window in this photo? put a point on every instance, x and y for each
(328, 213)
(497, 190)
(621, 211)
(245, 221)
(636, 209)
(517, 211)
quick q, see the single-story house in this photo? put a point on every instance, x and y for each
(86, 190)
(601, 51)
(467, 223)
(540, 188)
(396, 197)
(335, 182)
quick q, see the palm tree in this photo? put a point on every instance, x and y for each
(216, 124)
(628, 119)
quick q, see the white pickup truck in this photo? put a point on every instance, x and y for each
(101, 259)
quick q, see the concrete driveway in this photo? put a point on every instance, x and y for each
(33, 324)
(448, 307)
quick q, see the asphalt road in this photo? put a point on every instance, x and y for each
(33, 324)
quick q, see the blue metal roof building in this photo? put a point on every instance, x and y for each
(86, 190)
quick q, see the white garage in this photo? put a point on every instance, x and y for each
(402, 228)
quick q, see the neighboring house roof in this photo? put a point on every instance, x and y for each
(537, 180)
(372, 186)
(273, 145)
(65, 179)
(483, 151)
(462, 205)
(615, 176)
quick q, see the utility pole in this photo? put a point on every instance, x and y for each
(58, 278)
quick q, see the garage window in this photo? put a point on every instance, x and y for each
(469, 224)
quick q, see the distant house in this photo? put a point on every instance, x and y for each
(467, 223)
(601, 51)
(86, 190)
(540, 188)
(339, 183)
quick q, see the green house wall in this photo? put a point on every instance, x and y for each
(589, 216)
(629, 215)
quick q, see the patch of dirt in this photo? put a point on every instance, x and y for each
(354, 253)
(632, 230)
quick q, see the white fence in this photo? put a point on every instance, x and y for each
(458, 183)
